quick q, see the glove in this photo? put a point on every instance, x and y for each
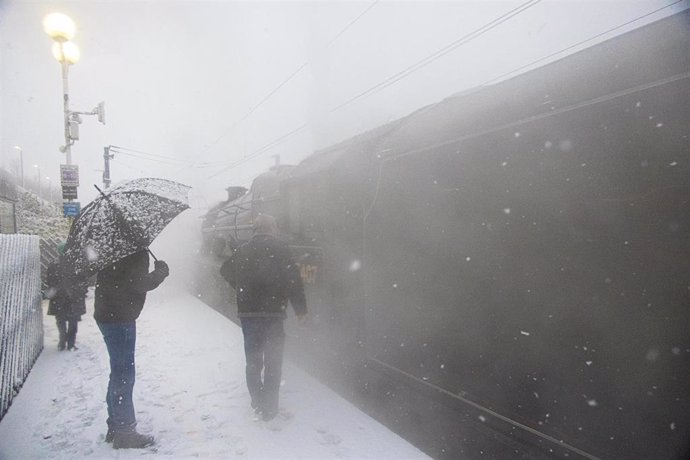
(161, 267)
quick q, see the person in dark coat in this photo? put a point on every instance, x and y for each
(264, 277)
(119, 298)
(67, 302)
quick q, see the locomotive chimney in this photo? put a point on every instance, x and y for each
(235, 192)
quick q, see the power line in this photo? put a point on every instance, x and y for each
(366, 10)
(142, 154)
(286, 80)
(400, 75)
(437, 55)
(119, 161)
(543, 58)
(154, 160)
(440, 53)
(257, 152)
(118, 148)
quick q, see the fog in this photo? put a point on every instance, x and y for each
(518, 251)
(219, 91)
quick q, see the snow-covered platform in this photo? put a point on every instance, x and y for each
(190, 394)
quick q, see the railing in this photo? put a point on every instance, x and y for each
(21, 315)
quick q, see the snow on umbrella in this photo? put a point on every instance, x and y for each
(123, 220)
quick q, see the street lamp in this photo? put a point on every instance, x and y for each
(39, 180)
(61, 29)
(21, 163)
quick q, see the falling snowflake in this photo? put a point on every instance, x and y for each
(565, 146)
(91, 254)
(652, 355)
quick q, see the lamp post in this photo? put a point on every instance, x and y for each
(21, 163)
(61, 29)
(39, 180)
(50, 190)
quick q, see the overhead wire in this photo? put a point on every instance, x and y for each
(400, 75)
(149, 156)
(285, 81)
(440, 53)
(123, 163)
(259, 151)
(575, 45)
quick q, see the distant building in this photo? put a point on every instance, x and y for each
(8, 201)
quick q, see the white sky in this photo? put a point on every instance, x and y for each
(190, 80)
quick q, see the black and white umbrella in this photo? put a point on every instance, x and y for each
(121, 221)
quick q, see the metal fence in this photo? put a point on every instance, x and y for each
(21, 315)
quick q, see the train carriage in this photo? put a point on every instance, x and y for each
(506, 272)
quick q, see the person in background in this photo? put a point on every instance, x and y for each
(264, 277)
(67, 301)
(119, 298)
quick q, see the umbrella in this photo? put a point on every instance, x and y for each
(123, 220)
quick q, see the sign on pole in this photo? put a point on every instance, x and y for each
(69, 175)
(69, 193)
(71, 209)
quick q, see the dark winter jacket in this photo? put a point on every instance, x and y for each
(121, 288)
(265, 277)
(67, 294)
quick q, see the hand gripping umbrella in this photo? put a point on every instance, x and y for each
(123, 220)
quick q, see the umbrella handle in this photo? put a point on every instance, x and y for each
(154, 257)
(101, 192)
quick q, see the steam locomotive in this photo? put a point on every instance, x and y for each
(505, 273)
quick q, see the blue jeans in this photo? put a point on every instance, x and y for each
(120, 339)
(264, 340)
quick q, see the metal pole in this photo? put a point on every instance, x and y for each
(65, 95)
(21, 165)
(106, 166)
(39, 182)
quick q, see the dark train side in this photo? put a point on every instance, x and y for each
(506, 273)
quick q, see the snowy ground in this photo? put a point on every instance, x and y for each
(190, 394)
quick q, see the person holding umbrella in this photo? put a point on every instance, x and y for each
(120, 294)
(111, 238)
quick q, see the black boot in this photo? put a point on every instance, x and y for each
(130, 439)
